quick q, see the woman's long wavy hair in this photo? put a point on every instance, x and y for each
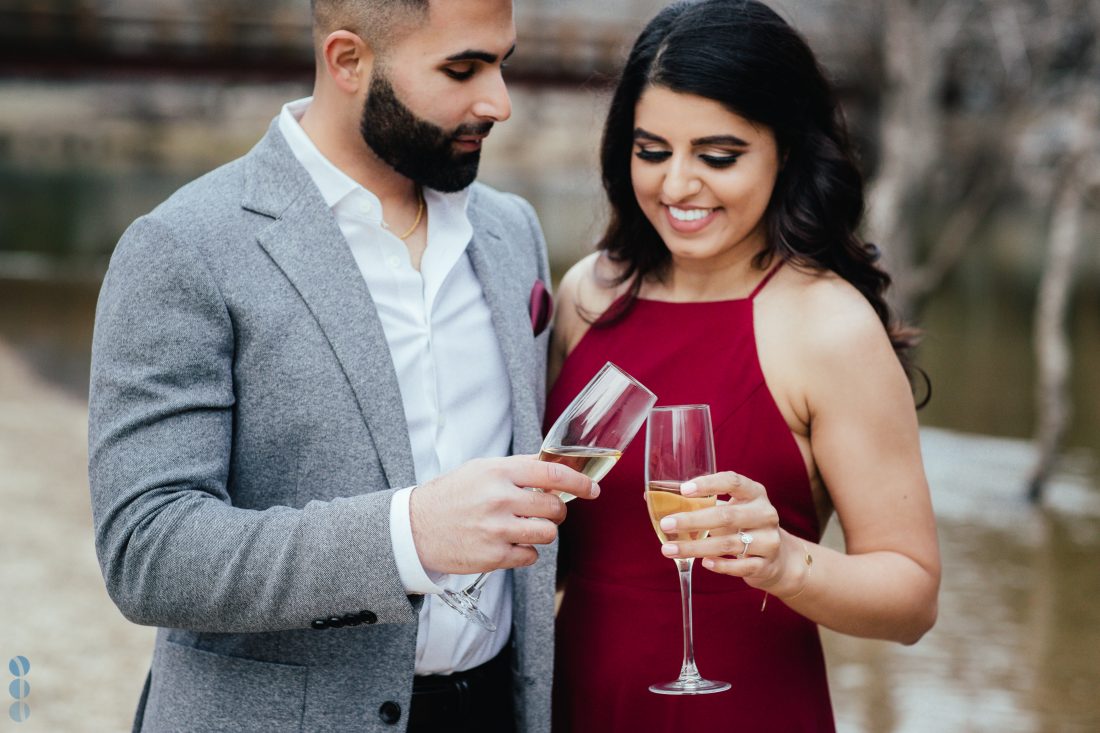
(741, 54)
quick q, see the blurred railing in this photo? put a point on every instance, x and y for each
(81, 38)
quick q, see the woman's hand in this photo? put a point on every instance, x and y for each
(745, 539)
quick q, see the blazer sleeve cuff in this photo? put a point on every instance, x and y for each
(414, 576)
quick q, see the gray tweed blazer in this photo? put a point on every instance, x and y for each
(246, 434)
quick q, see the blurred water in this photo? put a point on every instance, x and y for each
(978, 351)
(1017, 644)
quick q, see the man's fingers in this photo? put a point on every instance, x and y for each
(532, 503)
(520, 556)
(552, 477)
(737, 486)
(530, 531)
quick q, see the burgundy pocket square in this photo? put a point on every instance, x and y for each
(542, 307)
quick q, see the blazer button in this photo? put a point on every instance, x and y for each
(319, 624)
(390, 712)
(351, 619)
(336, 622)
(368, 617)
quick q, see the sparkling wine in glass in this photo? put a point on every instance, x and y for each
(680, 447)
(590, 437)
(593, 431)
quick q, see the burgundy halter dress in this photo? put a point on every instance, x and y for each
(619, 627)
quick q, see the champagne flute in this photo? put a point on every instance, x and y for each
(590, 437)
(680, 447)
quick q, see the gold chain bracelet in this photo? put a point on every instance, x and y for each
(809, 560)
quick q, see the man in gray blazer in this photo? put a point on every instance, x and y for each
(310, 367)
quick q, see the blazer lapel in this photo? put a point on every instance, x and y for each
(305, 242)
(507, 296)
(508, 306)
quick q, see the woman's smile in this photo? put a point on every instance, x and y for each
(689, 219)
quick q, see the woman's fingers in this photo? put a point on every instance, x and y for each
(764, 543)
(740, 488)
(723, 518)
(719, 531)
(700, 520)
(746, 568)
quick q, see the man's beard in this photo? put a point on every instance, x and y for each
(415, 148)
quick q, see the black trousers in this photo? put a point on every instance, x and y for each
(478, 700)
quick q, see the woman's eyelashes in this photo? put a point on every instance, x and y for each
(714, 161)
(652, 156)
(720, 161)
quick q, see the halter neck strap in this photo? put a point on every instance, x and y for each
(762, 283)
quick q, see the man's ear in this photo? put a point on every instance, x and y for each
(348, 61)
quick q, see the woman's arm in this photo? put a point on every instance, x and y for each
(865, 446)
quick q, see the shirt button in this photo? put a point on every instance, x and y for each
(393, 261)
(442, 421)
(367, 208)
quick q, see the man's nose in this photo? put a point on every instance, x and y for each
(493, 103)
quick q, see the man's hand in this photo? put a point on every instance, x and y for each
(482, 517)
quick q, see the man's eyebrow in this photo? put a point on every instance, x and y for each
(472, 54)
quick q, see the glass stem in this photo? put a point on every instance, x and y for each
(687, 669)
(474, 591)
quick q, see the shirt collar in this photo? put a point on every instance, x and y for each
(333, 183)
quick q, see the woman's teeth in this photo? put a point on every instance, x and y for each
(689, 214)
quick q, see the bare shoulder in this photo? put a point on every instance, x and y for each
(819, 337)
(826, 316)
(584, 293)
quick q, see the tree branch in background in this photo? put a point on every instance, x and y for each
(955, 237)
(1053, 349)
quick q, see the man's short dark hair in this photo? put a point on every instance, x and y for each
(378, 22)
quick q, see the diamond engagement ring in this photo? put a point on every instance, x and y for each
(746, 538)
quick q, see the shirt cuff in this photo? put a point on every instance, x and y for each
(414, 576)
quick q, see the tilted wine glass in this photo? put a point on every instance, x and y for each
(680, 447)
(590, 437)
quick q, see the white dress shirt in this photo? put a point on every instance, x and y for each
(454, 384)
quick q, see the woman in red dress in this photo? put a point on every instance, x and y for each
(731, 274)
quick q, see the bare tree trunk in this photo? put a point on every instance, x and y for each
(911, 130)
(1052, 345)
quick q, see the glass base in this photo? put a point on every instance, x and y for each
(466, 606)
(690, 686)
